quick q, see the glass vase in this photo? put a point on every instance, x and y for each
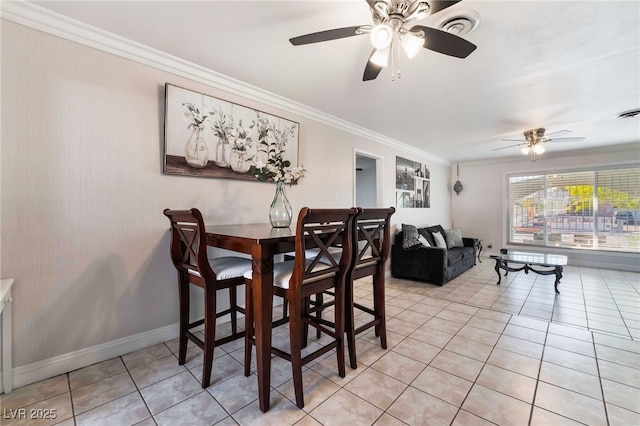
(239, 163)
(222, 153)
(280, 212)
(196, 151)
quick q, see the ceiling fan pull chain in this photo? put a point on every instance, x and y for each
(393, 61)
(395, 58)
(398, 75)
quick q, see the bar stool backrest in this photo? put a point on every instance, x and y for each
(372, 240)
(318, 230)
(189, 246)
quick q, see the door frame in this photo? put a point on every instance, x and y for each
(379, 173)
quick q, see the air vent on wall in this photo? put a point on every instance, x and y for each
(629, 114)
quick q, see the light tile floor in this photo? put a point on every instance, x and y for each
(467, 353)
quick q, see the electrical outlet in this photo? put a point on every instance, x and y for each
(489, 245)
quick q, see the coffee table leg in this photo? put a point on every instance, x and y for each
(558, 277)
(497, 268)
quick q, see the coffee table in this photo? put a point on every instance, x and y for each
(529, 260)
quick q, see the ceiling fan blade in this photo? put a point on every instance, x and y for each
(445, 43)
(573, 139)
(326, 35)
(509, 146)
(557, 133)
(371, 70)
(513, 140)
(438, 5)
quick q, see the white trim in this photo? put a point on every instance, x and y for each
(5, 313)
(65, 363)
(44, 20)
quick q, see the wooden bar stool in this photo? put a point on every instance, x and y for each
(189, 254)
(372, 242)
(296, 280)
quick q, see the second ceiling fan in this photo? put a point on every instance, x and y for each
(532, 142)
(390, 28)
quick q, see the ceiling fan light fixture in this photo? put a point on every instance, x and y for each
(381, 36)
(391, 22)
(411, 44)
(538, 149)
(381, 57)
(526, 150)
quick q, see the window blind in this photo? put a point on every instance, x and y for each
(586, 209)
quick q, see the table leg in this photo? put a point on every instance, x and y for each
(558, 271)
(497, 268)
(262, 282)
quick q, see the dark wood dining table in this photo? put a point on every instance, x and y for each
(262, 242)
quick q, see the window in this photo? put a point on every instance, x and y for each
(595, 209)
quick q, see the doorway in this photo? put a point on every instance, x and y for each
(368, 174)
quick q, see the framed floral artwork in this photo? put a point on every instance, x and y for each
(209, 137)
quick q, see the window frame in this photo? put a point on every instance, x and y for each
(601, 225)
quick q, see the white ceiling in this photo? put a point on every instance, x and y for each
(561, 65)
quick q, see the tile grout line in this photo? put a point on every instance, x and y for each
(604, 403)
(73, 410)
(144, 401)
(535, 389)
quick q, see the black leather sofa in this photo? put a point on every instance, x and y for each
(431, 264)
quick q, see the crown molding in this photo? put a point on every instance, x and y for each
(41, 19)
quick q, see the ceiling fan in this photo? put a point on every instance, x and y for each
(390, 28)
(533, 138)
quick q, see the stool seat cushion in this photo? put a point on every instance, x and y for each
(282, 272)
(230, 266)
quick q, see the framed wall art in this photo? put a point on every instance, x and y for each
(413, 182)
(210, 137)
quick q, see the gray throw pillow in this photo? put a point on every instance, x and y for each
(410, 237)
(454, 238)
(439, 239)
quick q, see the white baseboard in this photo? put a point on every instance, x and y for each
(61, 364)
(41, 370)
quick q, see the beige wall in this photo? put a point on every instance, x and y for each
(83, 192)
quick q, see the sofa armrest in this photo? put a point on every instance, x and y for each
(423, 263)
(471, 242)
